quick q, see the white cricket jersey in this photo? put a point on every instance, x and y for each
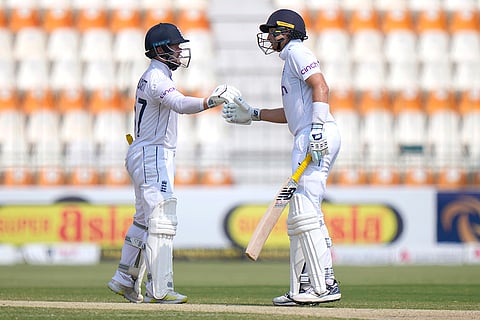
(300, 63)
(157, 105)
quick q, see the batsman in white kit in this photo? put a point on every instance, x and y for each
(148, 243)
(307, 112)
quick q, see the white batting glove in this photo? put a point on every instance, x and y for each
(240, 112)
(222, 94)
(318, 143)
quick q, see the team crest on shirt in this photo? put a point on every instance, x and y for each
(163, 186)
(142, 83)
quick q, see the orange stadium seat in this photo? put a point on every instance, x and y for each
(216, 176)
(349, 176)
(30, 38)
(410, 119)
(399, 36)
(411, 134)
(63, 38)
(115, 173)
(465, 49)
(76, 135)
(464, 28)
(444, 139)
(470, 129)
(128, 44)
(443, 127)
(76, 129)
(96, 38)
(451, 178)
(82, 176)
(121, 19)
(332, 37)
(155, 16)
(433, 48)
(21, 18)
(343, 108)
(115, 176)
(109, 127)
(13, 147)
(348, 168)
(209, 133)
(54, 19)
(400, 50)
(6, 38)
(366, 35)
(433, 37)
(186, 176)
(21, 176)
(42, 131)
(378, 137)
(199, 78)
(366, 50)
(384, 175)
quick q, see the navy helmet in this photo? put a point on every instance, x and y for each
(164, 35)
(286, 19)
(284, 22)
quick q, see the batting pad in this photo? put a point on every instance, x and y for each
(162, 228)
(307, 244)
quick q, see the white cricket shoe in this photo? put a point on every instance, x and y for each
(171, 298)
(127, 292)
(284, 301)
(309, 296)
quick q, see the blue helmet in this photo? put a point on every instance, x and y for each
(286, 19)
(164, 35)
(283, 22)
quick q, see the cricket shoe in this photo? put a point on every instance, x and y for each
(127, 292)
(171, 297)
(334, 291)
(309, 296)
(284, 301)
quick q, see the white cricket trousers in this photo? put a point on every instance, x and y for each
(151, 170)
(313, 182)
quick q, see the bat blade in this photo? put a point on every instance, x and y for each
(269, 219)
(274, 211)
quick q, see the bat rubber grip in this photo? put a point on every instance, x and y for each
(301, 168)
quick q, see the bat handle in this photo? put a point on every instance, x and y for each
(301, 168)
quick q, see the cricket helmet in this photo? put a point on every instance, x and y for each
(164, 35)
(285, 22)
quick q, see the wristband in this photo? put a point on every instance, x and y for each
(255, 114)
(320, 111)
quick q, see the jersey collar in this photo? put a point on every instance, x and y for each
(159, 64)
(284, 53)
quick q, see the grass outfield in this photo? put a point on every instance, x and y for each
(238, 283)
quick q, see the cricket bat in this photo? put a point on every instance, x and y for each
(274, 211)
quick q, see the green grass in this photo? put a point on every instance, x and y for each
(242, 283)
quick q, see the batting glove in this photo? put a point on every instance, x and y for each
(240, 112)
(318, 143)
(222, 94)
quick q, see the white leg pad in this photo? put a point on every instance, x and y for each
(162, 227)
(304, 229)
(132, 262)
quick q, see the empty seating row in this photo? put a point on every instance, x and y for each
(409, 130)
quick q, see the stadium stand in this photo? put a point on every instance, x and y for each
(404, 77)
